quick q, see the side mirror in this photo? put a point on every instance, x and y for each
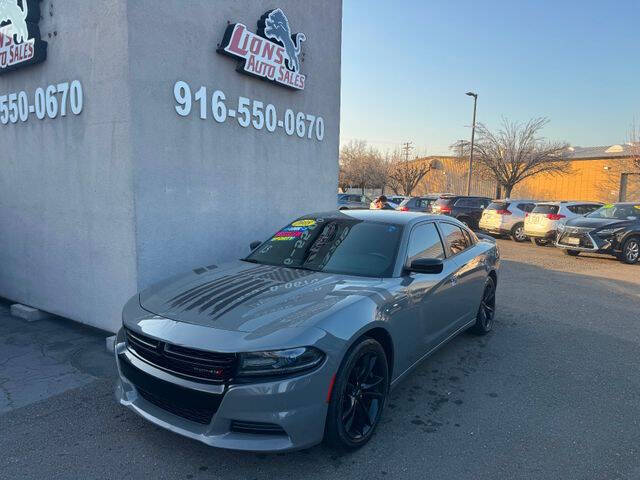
(254, 245)
(426, 265)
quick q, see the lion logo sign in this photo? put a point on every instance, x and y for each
(20, 43)
(276, 27)
(273, 53)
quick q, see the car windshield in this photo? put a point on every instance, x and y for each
(343, 245)
(619, 212)
(444, 200)
(405, 201)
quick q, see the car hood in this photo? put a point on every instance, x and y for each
(587, 222)
(247, 297)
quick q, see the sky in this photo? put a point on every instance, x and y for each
(406, 66)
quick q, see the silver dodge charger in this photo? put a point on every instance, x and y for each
(303, 339)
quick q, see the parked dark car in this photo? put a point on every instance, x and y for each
(351, 201)
(418, 204)
(466, 209)
(613, 229)
(397, 199)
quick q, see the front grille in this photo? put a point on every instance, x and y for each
(257, 428)
(193, 405)
(585, 239)
(199, 365)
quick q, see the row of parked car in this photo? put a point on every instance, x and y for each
(612, 229)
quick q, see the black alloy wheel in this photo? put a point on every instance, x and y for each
(517, 233)
(358, 397)
(631, 250)
(487, 310)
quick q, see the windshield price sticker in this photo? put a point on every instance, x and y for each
(53, 101)
(246, 112)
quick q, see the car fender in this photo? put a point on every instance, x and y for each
(631, 232)
(352, 323)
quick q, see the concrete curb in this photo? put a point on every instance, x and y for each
(110, 343)
(27, 313)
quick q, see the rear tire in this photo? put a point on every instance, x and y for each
(358, 397)
(487, 310)
(630, 250)
(572, 253)
(517, 233)
(541, 242)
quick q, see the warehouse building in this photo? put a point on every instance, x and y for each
(606, 173)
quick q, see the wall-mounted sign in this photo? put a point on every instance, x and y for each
(244, 111)
(56, 100)
(272, 54)
(20, 42)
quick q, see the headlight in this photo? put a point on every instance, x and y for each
(609, 231)
(279, 362)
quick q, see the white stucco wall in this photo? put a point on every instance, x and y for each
(67, 240)
(96, 206)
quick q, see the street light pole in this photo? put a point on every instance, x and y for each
(473, 134)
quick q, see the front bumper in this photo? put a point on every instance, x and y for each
(588, 242)
(296, 405)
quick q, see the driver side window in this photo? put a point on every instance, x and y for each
(425, 242)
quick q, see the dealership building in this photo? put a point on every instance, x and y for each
(144, 138)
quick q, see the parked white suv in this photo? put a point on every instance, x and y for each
(506, 217)
(541, 225)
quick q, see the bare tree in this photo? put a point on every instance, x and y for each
(362, 166)
(353, 160)
(404, 174)
(516, 151)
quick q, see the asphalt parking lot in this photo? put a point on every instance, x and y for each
(552, 393)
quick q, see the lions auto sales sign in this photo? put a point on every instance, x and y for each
(273, 53)
(20, 43)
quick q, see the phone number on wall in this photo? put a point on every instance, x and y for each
(247, 112)
(51, 101)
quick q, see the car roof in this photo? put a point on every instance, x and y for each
(387, 216)
(571, 202)
(448, 195)
(515, 200)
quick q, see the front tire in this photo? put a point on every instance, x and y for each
(358, 396)
(631, 250)
(572, 253)
(487, 311)
(541, 242)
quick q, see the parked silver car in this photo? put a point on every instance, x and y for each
(541, 225)
(349, 201)
(303, 339)
(506, 217)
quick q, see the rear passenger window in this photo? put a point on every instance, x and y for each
(526, 207)
(546, 209)
(454, 238)
(425, 242)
